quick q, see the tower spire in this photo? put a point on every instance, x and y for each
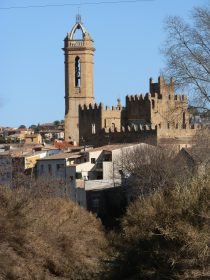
(78, 17)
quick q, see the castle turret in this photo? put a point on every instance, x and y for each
(163, 89)
(78, 77)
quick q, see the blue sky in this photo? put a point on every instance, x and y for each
(127, 38)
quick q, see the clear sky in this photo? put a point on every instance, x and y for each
(127, 38)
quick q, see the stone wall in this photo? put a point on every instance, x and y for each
(138, 109)
(127, 135)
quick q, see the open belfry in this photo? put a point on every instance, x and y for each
(159, 117)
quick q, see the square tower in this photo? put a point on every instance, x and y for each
(79, 90)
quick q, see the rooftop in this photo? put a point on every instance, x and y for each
(62, 156)
(115, 147)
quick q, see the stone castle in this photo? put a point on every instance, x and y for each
(159, 116)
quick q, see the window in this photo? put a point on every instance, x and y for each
(183, 120)
(113, 127)
(41, 169)
(77, 72)
(153, 104)
(93, 128)
(49, 168)
(78, 175)
(93, 160)
(59, 167)
(108, 157)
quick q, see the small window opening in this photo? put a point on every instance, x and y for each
(153, 104)
(77, 72)
(93, 160)
(183, 120)
(78, 175)
(93, 128)
(42, 169)
(112, 127)
(49, 168)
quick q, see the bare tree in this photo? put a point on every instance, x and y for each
(199, 153)
(187, 53)
(147, 169)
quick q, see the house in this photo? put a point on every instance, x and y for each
(53, 134)
(88, 172)
(19, 159)
(33, 138)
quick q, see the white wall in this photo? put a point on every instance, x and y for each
(49, 168)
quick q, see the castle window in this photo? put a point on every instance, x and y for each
(77, 72)
(93, 128)
(113, 127)
(153, 104)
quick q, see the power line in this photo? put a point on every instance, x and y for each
(74, 4)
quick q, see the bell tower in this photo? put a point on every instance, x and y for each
(78, 77)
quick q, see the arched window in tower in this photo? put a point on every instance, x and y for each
(153, 104)
(77, 72)
(183, 120)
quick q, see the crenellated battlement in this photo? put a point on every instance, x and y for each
(159, 114)
(137, 97)
(131, 128)
(161, 87)
(99, 107)
(91, 107)
(180, 97)
(154, 96)
(179, 126)
(113, 108)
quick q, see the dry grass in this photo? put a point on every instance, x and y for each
(47, 238)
